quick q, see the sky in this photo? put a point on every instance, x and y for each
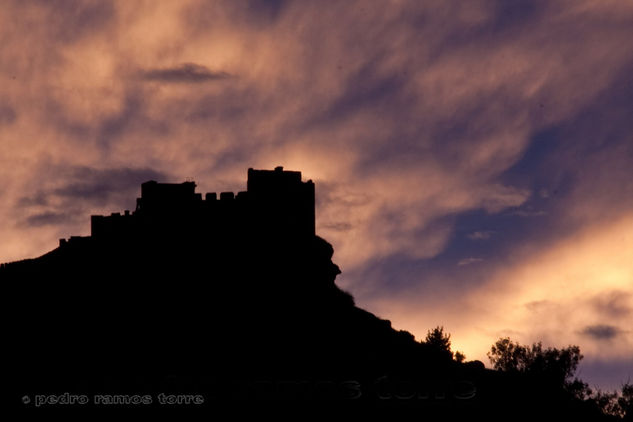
(472, 160)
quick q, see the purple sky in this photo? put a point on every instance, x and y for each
(472, 160)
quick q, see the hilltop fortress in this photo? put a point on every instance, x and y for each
(234, 298)
(276, 204)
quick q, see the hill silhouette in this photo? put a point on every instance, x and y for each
(232, 299)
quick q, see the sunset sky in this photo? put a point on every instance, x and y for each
(472, 159)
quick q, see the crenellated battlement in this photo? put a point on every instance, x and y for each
(275, 201)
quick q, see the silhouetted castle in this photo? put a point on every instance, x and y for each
(276, 203)
(233, 299)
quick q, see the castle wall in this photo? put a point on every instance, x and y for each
(276, 202)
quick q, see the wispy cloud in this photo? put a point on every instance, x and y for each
(7, 115)
(48, 218)
(529, 213)
(480, 235)
(602, 332)
(184, 73)
(469, 261)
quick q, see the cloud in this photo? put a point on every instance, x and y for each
(90, 184)
(539, 305)
(338, 226)
(529, 213)
(68, 21)
(480, 235)
(554, 295)
(601, 332)
(185, 73)
(78, 186)
(47, 218)
(614, 303)
(469, 261)
(568, 287)
(7, 115)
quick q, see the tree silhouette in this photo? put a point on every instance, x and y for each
(555, 368)
(608, 402)
(625, 401)
(557, 365)
(439, 341)
(619, 404)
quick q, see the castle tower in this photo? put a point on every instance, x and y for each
(282, 200)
